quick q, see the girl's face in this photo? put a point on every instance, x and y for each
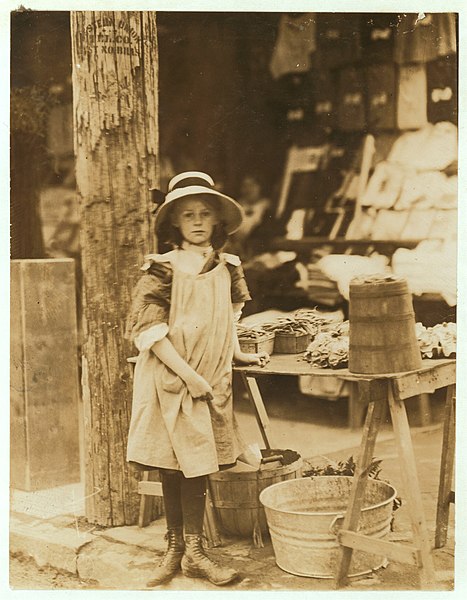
(196, 218)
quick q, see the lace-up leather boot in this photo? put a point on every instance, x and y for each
(170, 562)
(195, 563)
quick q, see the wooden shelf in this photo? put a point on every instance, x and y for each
(306, 243)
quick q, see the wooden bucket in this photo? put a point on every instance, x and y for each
(235, 495)
(382, 336)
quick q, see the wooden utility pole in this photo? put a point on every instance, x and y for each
(115, 84)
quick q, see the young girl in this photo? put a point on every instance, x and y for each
(183, 324)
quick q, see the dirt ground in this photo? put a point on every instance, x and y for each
(26, 575)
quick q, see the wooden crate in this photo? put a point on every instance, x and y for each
(265, 343)
(44, 416)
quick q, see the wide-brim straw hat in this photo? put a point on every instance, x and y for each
(194, 183)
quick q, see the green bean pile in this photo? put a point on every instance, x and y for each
(286, 325)
(250, 333)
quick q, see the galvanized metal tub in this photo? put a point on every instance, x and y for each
(304, 515)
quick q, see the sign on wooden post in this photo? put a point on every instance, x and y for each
(115, 83)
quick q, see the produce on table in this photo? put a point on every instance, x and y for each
(286, 325)
(303, 321)
(314, 319)
(330, 348)
(438, 341)
(250, 333)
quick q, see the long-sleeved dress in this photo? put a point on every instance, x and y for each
(168, 429)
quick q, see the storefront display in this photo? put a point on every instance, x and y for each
(378, 34)
(351, 114)
(381, 93)
(412, 97)
(442, 89)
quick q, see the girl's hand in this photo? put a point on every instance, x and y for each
(260, 359)
(198, 387)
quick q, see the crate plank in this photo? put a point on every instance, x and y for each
(44, 327)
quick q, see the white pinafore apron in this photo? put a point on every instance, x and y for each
(169, 429)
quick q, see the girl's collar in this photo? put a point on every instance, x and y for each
(203, 251)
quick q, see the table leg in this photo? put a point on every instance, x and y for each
(424, 409)
(210, 525)
(356, 410)
(374, 417)
(261, 415)
(411, 488)
(445, 494)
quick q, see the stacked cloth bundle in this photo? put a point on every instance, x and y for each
(341, 268)
(431, 267)
(413, 173)
(412, 194)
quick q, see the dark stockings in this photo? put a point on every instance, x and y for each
(184, 500)
(171, 491)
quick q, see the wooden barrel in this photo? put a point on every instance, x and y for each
(382, 336)
(235, 495)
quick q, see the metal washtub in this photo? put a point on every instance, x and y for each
(304, 515)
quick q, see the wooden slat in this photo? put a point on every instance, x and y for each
(411, 384)
(289, 364)
(150, 488)
(412, 488)
(306, 243)
(238, 504)
(256, 400)
(145, 506)
(19, 473)
(210, 521)
(440, 372)
(391, 550)
(445, 493)
(150, 506)
(371, 427)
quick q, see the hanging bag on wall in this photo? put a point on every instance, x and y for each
(337, 39)
(442, 89)
(295, 43)
(412, 97)
(324, 98)
(381, 96)
(378, 32)
(351, 99)
(425, 39)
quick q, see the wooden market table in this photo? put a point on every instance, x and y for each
(375, 392)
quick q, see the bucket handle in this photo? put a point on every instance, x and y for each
(333, 527)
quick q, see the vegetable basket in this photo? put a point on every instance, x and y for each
(291, 343)
(261, 342)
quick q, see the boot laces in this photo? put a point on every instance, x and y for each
(175, 543)
(199, 553)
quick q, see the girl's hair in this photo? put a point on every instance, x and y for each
(169, 236)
